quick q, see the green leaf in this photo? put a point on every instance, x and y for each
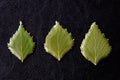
(21, 44)
(95, 46)
(58, 41)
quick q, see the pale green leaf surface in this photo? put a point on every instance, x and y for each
(95, 46)
(58, 41)
(21, 44)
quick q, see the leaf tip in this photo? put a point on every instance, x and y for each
(59, 59)
(22, 60)
(93, 24)
(95, 64)
(20, 25)
(20, 22)
(56, 22)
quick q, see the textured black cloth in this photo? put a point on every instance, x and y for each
(38, 17)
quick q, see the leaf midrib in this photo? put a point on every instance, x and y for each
(58, 48)
(21, 43)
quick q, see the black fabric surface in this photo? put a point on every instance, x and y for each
(38, 17)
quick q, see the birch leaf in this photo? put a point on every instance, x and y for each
(21, 44)
(95, 46)
(58, 41)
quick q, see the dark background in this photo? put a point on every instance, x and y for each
(38, 17)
